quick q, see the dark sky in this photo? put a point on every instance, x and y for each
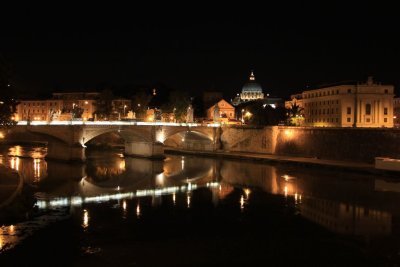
(200, 47)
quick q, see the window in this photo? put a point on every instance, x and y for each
(337, 91)
(349, 110)
(348, 119)
(386, 91)
(385, 119)
(337, 119)
(349, 91)
(385, 111)
(368, 109)
(368, 120)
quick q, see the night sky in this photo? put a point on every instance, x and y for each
(290, 47)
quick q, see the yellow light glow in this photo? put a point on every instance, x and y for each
(14, 163)
(1, 135)
(188, 200)
(160, 136)
(247, 192)
(174, 198)
(160, 179)
(36, 168)
(248, 114)
(11, 230)
(122, 165)
(241, 202)
(289, 133)
(85, 223)
(86, 102)
(124, 205)
(138, 210)
(285, 190)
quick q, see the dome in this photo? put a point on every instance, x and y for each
(252, 85)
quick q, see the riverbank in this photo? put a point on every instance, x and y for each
(269, 158)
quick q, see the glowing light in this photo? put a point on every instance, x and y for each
(188, 200)
(86, 102)
(183, 164)
(115, 123)
(247, 192)
(160, 136)
(285, 190)
(11, 230)
(289, 134)
(85, 223)
(36, 168)
(14, 163)
(288, 177)
(1, 135)
(122, 165)
(174, 198)
(118, 188)
(160, 179)
(124, 205)
(242, 202)
(138, 210)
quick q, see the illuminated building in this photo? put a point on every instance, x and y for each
(367, 104)
(250, 91)
(224, 110)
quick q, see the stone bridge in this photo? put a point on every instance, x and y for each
(66, 140)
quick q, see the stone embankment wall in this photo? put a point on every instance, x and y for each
(353, 144)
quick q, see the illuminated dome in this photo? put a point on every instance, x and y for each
(251, 90)
(252, 85)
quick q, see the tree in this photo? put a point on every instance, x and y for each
(140, 102)
(104, 104)
(260, 114)
(295, 115)
(8, 104)
(177, 104)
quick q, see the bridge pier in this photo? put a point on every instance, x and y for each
(65, 152)
(144, 149)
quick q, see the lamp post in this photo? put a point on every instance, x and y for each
(242, 116)
(124, 110)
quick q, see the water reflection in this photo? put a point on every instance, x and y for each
(85, 219)
(346, 203)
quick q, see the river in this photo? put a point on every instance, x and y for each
(189, 210)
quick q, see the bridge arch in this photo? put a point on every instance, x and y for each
(126, 134)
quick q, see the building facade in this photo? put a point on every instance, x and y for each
(40, 110)
(68, 106)
(366, 104)
(221, 110)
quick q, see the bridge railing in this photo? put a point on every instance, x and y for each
(116, 123)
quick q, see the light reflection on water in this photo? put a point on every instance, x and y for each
(352, 204)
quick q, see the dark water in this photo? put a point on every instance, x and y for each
(194, 211)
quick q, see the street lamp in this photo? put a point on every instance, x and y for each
(124, 110)
(242, 115)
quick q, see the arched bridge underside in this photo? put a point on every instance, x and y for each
(67, 142)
